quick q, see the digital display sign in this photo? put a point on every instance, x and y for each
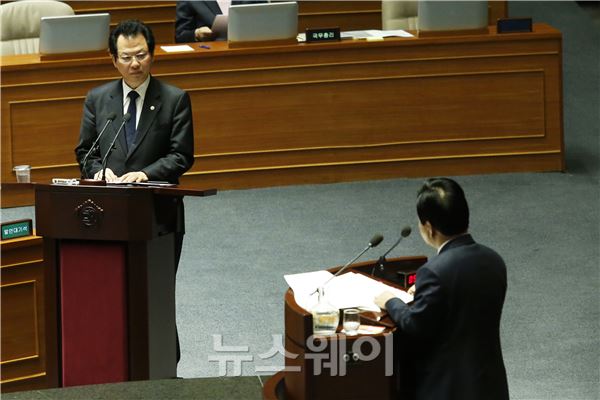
(407, 278)
(16, 229)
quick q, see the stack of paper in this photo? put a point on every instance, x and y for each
(374, 33)
(177, 48)
(349, 290)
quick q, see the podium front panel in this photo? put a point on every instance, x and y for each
(110, 300)
(95, 212)
(93, 306)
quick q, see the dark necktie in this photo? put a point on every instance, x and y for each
(130, 126)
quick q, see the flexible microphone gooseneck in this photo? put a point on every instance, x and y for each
(374, 242)
(95, 145)
(126, 118)
(382, 261)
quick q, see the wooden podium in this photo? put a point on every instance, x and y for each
(340, 366)
(110, 276)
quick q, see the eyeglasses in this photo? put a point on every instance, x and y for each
(139, 57)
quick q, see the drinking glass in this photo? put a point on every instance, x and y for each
(351, 321)
(23, 173)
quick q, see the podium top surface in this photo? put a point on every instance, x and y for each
(119, 189)
(298, 321)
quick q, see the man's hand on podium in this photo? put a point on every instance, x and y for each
(137, 176)
(129, 177)
(110, 176)
(382, 298)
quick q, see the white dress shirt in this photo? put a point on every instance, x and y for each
(139, 102)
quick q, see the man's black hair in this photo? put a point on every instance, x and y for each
(442, 202)
(130, 28)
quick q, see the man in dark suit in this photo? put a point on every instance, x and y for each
(194, 19)
(454, 320)
(158, 140)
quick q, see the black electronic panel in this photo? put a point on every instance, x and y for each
(514, 25)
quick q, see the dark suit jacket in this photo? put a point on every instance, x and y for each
(164, 145)
(190, 15)
(454, 323)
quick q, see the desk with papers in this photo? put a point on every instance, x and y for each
(349, 290)
(337, 366)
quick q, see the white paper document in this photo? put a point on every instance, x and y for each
(375, 33)
(177, 48)
(349, 290)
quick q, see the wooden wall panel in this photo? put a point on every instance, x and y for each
(436, 111)
(48, 144)
(23, 358)
(497, 9)
(159, 15)
(347, 15)
(19, 316)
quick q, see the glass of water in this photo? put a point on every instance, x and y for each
(351, 321)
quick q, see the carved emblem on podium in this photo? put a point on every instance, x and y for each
(89, 213)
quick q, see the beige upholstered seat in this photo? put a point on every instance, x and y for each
(20, 24)
(399, 14)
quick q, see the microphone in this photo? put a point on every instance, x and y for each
(381, 262)
(374, 242)
(95, 145)
(126, 118)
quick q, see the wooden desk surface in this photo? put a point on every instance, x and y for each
(318, 113)
(222, 49)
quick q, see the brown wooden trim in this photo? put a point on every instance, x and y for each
(459, 32)
(262, 43)
(23, 378)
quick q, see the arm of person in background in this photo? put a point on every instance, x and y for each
(204, 33)
(186, 29)
(426, 310)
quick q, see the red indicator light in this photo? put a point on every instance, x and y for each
(412, 279)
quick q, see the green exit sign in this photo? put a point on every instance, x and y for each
(16, 229)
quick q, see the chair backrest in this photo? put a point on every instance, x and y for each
(20, 24)
(399, 14)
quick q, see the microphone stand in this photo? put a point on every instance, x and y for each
(373, 243)
(382, 260)
(126, 118)
(94, 147)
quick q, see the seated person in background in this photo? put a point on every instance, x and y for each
(194, 19)
(454, 320)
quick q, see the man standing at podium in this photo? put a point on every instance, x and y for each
(157, 141)
(454, 320)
